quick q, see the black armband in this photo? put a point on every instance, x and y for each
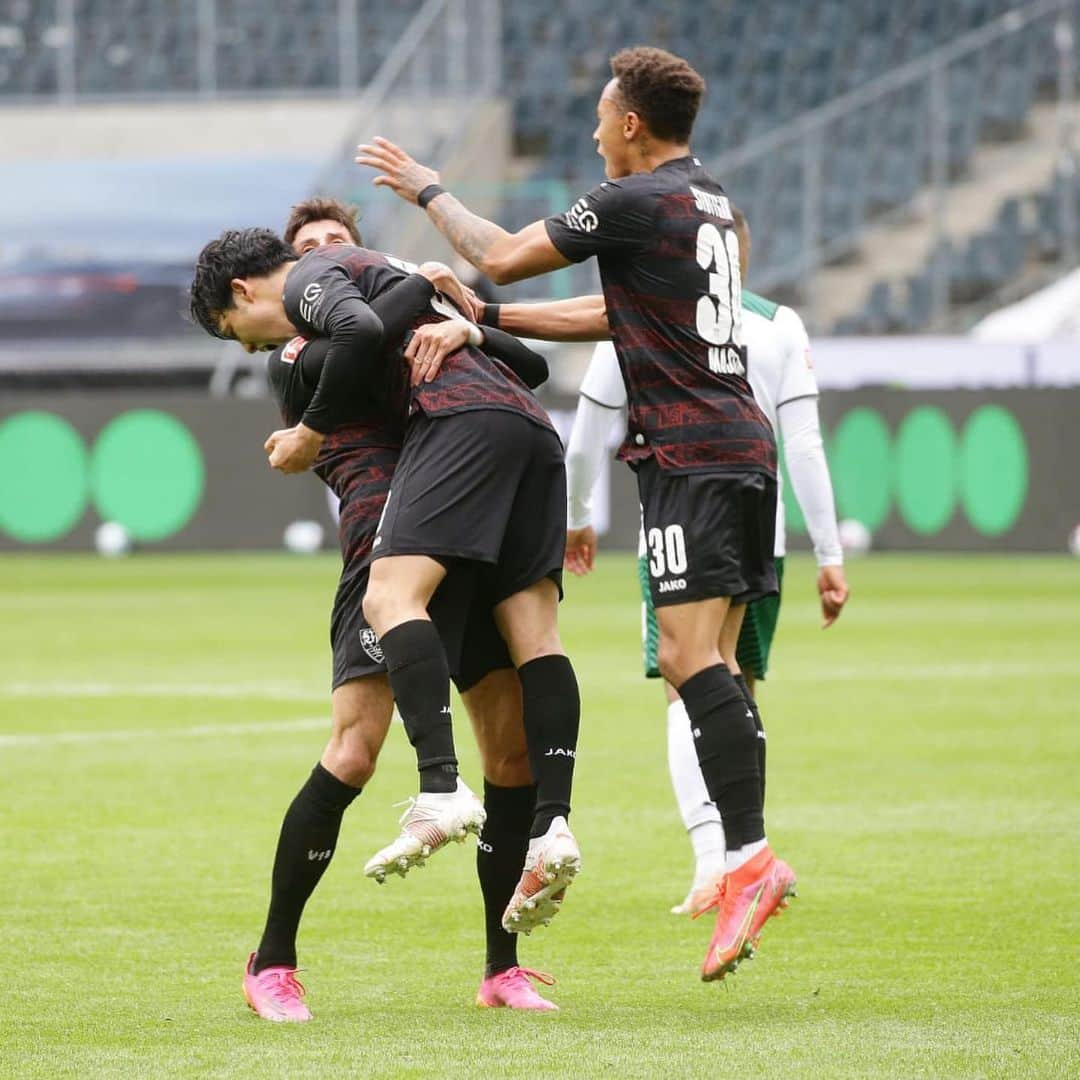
(491, 315)
(432, 191)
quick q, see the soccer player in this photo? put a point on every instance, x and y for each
(486, 490)
(782, 379)
(356, 463)
(704, 453)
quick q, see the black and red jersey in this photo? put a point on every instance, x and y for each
(356, 460)
(669, 264)
(468, 380)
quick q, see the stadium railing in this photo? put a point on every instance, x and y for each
(813, 184)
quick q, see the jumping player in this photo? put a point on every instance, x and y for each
(783, 382)
(704, 453)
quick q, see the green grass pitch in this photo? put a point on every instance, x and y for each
(158, 713)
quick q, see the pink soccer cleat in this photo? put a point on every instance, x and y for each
(275, 993)
(511, 989)
(747, 898)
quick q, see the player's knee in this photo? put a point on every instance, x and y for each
(378, 604)
(351, 757)
(508, 768)
(671, 662)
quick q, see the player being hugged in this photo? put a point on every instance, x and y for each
(662, 232)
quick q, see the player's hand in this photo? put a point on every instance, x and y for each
(454, 289)
(833, 589)
(430, 345)
(580, 550)
(398, 171)
(293, 450)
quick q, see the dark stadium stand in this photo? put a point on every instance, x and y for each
(766, 64)
(1028, 228)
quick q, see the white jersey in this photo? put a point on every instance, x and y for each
(780, 372)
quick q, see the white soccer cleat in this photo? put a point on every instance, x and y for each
(431, 821)
(700, 897)
(552, 863)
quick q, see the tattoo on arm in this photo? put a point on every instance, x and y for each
(469, 234)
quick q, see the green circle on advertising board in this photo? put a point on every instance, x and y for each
(861, 464)
(147, 473)
(993, 470)
(43, 482)
(924, 470)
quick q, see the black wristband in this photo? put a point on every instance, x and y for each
(491, 315)
(432, 191)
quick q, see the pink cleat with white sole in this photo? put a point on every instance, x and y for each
(511, 989)
(275, 993)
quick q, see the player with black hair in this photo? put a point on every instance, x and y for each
(356, 463)
(490, 494)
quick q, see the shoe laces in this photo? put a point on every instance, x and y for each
(717, 899)
(519, 972)
(284, 985)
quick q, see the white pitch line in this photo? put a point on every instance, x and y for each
(228, 691)
(199, 731)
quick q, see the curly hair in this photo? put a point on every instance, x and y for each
(321, 208)
(663, 89)
(236, 253)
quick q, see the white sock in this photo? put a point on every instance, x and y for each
(697, 810)
(736, 858)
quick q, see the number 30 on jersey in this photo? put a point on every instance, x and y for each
(667, 551)
(719, 312)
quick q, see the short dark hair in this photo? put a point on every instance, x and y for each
(322, 208)
(663, 89)
(236, 253)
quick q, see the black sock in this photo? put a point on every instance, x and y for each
(305, 847)
(420, 678)
(751, 704)
(500, 858)
(551, 709)
(726, 743)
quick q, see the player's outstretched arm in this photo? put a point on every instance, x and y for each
(581, 318)
(504, 257)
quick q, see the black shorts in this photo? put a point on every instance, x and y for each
(486, 486)
(461, 614)
(708, 535)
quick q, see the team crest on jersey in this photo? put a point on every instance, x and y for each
(369, 642)
(291, 353)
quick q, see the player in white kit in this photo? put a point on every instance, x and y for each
(782, 379)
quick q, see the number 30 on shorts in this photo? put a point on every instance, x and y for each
(667, 551)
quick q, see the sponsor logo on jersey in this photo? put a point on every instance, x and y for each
(486, 848)
(291, 353)
(675, 585)
(580, 217)
(726, 360)
(558, 751)
(310, 301)
(708, 203)
(369, 642)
